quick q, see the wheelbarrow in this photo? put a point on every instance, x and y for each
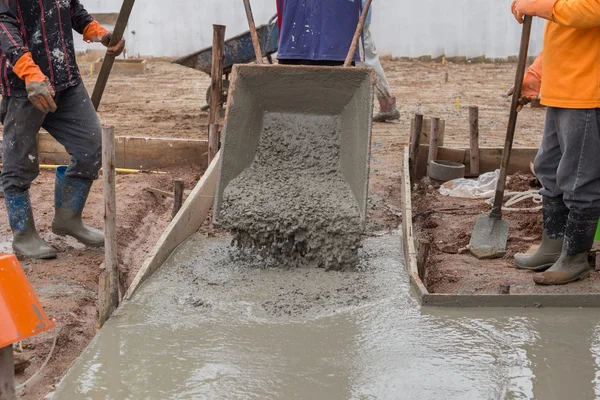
(237, 50)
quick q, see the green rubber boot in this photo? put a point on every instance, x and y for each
(555, 215)
(26, 240)
(573, 264)
(70, 197)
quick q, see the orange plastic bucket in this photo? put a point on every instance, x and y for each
(21, 315)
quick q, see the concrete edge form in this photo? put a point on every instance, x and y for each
(410, 252)
(477, 300)
(192, 215)
(135, 152)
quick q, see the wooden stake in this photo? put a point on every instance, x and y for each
(253, 33)
(423, 255)
(104, 305)
(433, 141)
(216, 91)
(415, 140)
(179, 188)
(111, 260)
(474, 128)
(7, 374)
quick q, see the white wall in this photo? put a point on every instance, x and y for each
(402, 28)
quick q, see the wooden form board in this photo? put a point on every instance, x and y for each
(489, 158)
(188, 220)
(135, 152)
(426, 131)
(122, 67)
(477, 300)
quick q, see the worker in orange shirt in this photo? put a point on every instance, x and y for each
(567, 74)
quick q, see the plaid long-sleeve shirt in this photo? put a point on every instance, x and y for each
(45, 28)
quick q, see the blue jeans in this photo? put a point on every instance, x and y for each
(568, 162)
(75, 125)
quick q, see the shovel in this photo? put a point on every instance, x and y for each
(490, 234)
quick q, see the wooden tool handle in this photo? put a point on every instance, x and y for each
(253, 33)
(359, 30)
(512, 121)
(108, 62)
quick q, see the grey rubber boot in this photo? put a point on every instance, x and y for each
(26, 240)
(555, 214)
(70, 195)
(392, 115)
(573, 264)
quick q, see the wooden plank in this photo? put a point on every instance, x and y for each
(179, 188)
(216, 91)
(123, 67)
(187, 222)
(474, 140)
(415, 140)
(104, 302)
(433, 142)
(512, 300)
(111, 257)
(135, 152)
(489, 158)
(7, 374)
(427, 130)
(410, 253)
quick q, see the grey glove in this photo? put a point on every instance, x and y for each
(117, 49)
(41, 94)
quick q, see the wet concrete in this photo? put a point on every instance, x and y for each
(293, 203)
(207, 328)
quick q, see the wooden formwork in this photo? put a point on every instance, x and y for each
(131, 66)
(135, 152)
(520, 163)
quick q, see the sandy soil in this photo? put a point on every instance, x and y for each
(447, 223)
(67, 287)
(165, 102)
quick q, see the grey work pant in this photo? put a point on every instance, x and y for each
(75, 125)
(568, 162)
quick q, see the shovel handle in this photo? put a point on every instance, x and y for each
(253, 33)
(359, 30)
(512, 121)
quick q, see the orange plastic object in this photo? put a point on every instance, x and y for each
(21, 315)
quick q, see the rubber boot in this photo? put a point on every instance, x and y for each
(26, 240)
(388, 110)
(555, 214)
(573, 264)
(70, 195)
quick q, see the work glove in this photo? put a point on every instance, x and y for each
(95, 33)
(532, 84)
(535, 8)
(39, 91)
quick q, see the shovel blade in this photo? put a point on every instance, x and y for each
(489, 238)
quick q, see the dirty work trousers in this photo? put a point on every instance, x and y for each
(568, 162)
(382, 87)
(75, 125)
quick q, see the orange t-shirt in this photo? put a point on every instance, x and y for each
(571, 56)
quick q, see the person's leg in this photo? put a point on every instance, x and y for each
(387, 101)
(77, 127)
(554, 210)
(578, 177)
(20, 166)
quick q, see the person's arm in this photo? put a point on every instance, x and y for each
(91, 30)
(12, 42)
(80, 18)
(580, 14)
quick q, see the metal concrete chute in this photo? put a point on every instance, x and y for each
(257, 91)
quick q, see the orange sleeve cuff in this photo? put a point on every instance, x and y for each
(94, 32)
(27, 69)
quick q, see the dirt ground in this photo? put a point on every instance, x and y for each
(452, 269)
(166, 102)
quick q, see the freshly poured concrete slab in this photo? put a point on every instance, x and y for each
(212, 325)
